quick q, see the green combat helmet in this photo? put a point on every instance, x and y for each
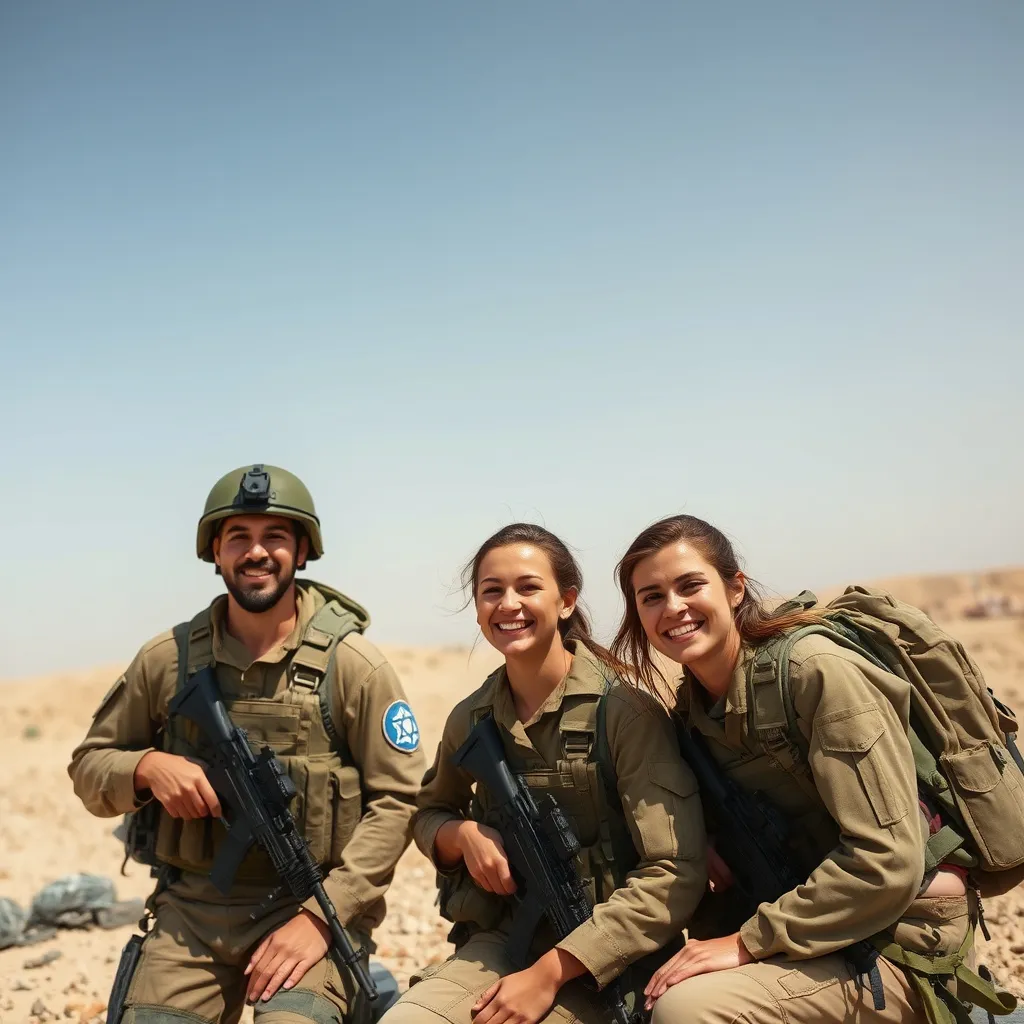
(258, 490)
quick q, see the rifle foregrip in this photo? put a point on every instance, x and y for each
(341, 947)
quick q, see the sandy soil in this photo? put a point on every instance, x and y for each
(45, 833)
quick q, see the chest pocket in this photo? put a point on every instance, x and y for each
(273, 724)
(577, 804)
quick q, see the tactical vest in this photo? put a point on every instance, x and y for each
(583, 784)
(296, 724)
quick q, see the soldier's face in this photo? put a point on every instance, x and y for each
(685, 607)
(518, 604)
(258, 556)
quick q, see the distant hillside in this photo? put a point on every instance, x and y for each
(991, 593)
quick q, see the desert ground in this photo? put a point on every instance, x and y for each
(45, 833)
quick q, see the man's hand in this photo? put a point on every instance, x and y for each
(525, 997)
(285, 955)
(178, 783)
(698, 956)
(482, 850)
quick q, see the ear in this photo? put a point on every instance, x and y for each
(737, 588)
(569, 599)
(302, 551)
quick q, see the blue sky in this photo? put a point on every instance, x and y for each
(457, 264)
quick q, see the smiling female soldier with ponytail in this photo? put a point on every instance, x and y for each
(560, 709)
(845, 784)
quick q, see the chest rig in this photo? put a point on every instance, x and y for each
(295, 723)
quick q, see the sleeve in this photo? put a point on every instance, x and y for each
(863, 768)
(123, 730)
(446, 791)
(663, 811)
(390, 779)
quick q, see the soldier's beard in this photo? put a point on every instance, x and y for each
(258, 600)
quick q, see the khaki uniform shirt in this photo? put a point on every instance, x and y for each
(869, 835)
(362, 687)
(658, 793)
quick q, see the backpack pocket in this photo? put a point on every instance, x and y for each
(990, 796)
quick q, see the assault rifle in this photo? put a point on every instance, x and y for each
(753, 840)
(540, 845)
(256, 793)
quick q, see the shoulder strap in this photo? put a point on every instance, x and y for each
(195, 646)
(314, 661)
(603, 756)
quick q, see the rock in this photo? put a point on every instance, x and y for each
(39, 1009)
(121, 913)
(64, 899)
(12, 923)
(21, 985)
(41, 961)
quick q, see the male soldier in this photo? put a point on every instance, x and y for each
(334, 713)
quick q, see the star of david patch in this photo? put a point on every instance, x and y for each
(400, 728)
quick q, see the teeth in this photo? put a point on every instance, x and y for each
(685, 630)
(511, 626)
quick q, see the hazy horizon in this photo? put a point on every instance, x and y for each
(456, 266)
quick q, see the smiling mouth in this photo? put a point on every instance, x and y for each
(683, 632)
(256, 574)
(513, 627)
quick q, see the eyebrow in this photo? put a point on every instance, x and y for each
(519, 579)
(657, 586)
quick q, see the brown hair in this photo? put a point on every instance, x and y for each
(755, 622)
(567, 576)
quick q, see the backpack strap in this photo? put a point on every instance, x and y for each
(771, 715)
(314, 660)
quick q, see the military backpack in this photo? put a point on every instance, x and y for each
(969, 769)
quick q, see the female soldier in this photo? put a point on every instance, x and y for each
(610, 759)
(856, 815)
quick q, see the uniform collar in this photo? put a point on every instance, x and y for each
(586, 676)
(734, 725)
(230, 651)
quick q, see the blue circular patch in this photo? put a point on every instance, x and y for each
(400, 728)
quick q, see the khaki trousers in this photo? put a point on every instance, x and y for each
(818, 991)
(446, 991)
(192, 964)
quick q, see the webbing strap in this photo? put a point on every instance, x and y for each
(310, 662)
(925, 973)
(940, 846)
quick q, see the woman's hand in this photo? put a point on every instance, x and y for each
(719, 875)
(480, 847)
(698, 956)
(526, 997)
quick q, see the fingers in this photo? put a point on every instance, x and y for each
(210, 803)
(262, 973)
(485, 997)
(503, 877)
(258, 955)
(287, 967)
(297, 973)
